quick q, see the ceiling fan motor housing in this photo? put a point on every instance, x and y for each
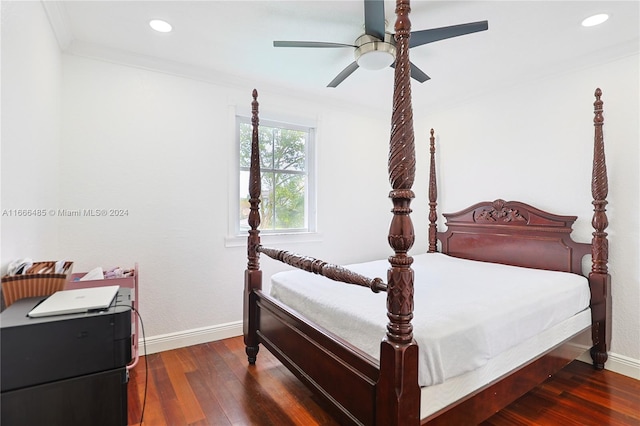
(373, 53)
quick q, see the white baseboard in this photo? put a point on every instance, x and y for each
(619, 364)
(196, 336)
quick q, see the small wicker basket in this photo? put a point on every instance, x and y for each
(38, 281)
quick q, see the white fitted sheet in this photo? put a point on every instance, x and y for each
(461, 320)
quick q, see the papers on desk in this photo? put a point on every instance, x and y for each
(94, 274)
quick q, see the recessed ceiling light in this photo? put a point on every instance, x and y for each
(595, 20)
(160, 25)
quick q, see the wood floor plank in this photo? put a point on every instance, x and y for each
(212, 384)
(214, 414)
(160, 375)
(177, 365)
(154, 416)
(215, 375)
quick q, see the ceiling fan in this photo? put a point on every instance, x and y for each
(376, 48)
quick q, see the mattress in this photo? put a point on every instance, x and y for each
(466, 313)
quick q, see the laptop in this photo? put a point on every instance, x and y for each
(76, 301)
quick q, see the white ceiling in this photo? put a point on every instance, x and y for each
(231, 42)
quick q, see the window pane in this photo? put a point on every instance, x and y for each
(265, 139)
(267, 206)
(244, 130)
(244, 200)
(289, 150)
(289, 201)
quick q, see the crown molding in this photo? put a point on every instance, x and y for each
(59, 21)
(203, 74)
(150, 63)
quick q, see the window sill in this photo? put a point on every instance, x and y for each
(274, 239)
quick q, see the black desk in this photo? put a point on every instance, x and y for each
(67, 369)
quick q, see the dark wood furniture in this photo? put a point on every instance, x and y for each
(360, 390)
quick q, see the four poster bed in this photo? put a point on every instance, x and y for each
(521, 310)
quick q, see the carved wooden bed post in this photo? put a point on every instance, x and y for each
(433, 196)
(398, 394)
(253, 274)
(599, 277)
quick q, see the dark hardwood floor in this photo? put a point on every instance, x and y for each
(212, 384)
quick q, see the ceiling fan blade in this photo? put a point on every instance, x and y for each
(416, 73)
(374, 18)
(309, 44)
(343, 74)
(418, 38)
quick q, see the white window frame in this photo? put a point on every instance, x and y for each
(238, 237)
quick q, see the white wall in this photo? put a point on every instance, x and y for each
(534, 143)
(31, 76)
(162, 147)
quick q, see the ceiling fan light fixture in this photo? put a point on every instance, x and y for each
(375, 60)
(374, 54)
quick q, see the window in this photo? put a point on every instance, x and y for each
(286, 154)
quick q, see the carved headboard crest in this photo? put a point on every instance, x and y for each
(500, 213)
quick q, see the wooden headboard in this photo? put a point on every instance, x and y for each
(513, 233)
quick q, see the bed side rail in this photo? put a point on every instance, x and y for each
(320, 267)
